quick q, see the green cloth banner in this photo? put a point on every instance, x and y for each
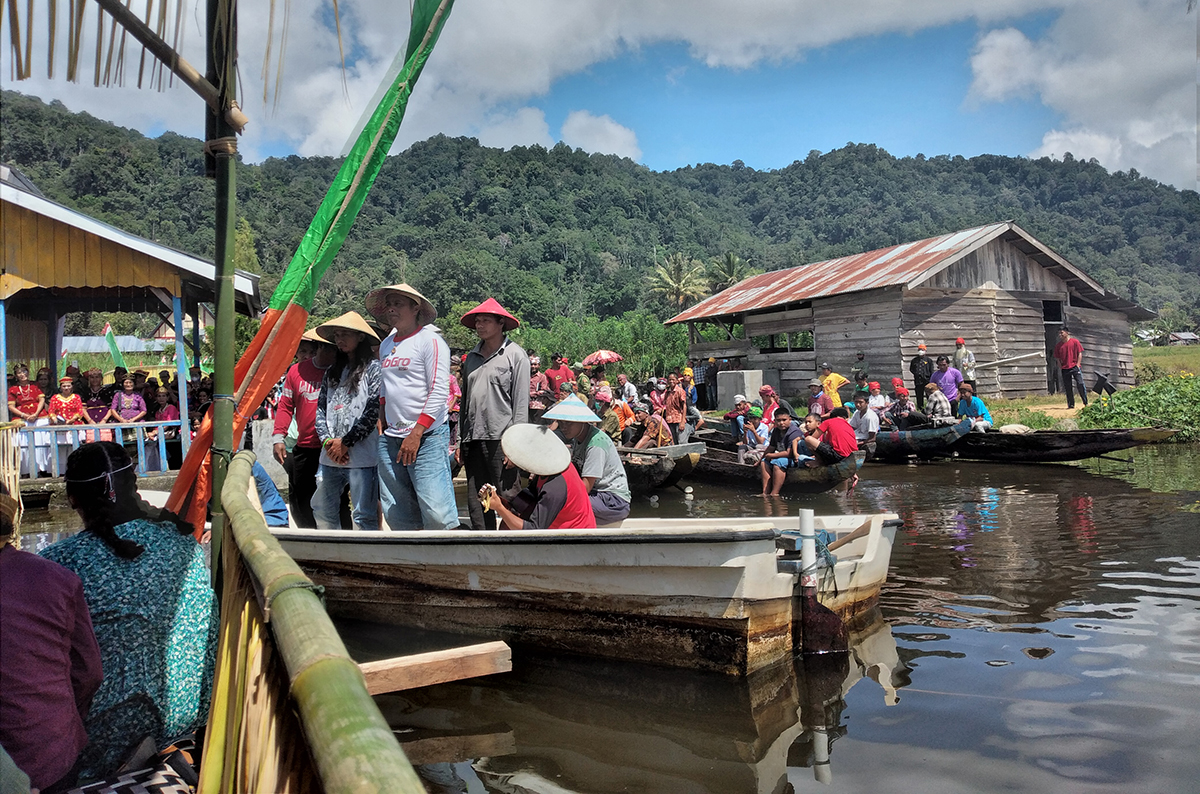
(346, 195)
(110, 337)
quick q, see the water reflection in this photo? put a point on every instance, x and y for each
(580, 725)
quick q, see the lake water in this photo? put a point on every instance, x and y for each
(1039, 632)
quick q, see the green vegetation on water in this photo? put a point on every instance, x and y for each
(1172, 401)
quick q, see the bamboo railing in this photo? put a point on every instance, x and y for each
(10, 468)
(290, 700)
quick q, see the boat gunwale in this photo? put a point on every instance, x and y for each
(527, 536)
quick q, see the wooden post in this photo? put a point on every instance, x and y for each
(181, 375)
(4, 359)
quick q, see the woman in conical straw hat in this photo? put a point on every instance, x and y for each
(595, 457)
(347, 413)
(416, 486)
(495, 386)
(558, 496)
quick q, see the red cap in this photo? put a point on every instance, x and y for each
(897, 382)
(490, 306)
(959, 341)
(901, 391)
(874, 385)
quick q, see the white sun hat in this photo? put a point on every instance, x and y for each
(535, 449)
(571, 409)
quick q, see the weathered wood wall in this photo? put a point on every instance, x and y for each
(997, 265)
(1107, 347)
(995, 324)
(730, 348)
(783, 322)
(867, 321)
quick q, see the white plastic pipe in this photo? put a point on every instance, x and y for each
(808, 548)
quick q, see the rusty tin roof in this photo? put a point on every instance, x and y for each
(907, 264)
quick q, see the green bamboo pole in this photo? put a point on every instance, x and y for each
(221, 150)
(351, 743)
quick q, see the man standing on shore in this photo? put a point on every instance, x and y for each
(301, 388)
(921, 368)
(964, 362)
(557, 375)
(416, 486)
(1069, 352)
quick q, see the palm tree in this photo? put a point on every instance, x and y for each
(725, 271)
(679, 279)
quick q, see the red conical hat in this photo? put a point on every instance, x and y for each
(490, 306)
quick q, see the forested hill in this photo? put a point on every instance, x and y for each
(560, 232)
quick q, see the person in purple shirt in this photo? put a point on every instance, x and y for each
(49, 662)
(948, 379)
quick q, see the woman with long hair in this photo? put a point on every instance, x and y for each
(151, 604)
(347, 425)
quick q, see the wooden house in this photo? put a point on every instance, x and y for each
(55, 261)
(1006, 293)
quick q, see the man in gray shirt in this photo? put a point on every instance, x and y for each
(495, 396)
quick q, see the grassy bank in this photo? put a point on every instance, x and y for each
(1152, 363)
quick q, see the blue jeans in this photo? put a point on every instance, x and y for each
(1073, 377)
(420, 496)
(364, 496)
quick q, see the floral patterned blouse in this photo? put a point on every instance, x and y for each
(155, 618)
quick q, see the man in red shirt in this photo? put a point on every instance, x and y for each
(675, 404)
(559, 374)
(831, 441)
(301, 387)
(1069, 353)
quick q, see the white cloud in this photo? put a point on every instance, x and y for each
(1113, 70)
(522, 127)
(599, 134)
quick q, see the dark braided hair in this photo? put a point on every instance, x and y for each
(102, 486)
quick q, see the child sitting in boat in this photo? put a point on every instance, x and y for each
(971, 406)
(783, 452)
(754, 438)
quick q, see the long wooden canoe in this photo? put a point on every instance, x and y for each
(707, 594)
(1053, 446)
(660, 467)
(719, 465)
(927, 442)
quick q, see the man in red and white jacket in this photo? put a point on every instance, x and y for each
(415, 483)
(301, 387)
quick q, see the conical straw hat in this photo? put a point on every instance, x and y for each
(571, 409)
(490, 306)
(377, 298)
(351, 320)
(536, 449)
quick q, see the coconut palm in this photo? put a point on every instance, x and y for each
(680, 279)
(725, 271)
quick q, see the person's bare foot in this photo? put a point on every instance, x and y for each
(853, 482)
(812, 464)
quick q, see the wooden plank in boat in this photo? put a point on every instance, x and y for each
(455, 748)
(436, 667)
(673, 451)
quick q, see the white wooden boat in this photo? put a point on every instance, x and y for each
(709, 594)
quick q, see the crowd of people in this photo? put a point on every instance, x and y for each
(376, 407)
(87, 398)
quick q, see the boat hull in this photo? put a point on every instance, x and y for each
(710, 600)
(718, 465)
(1051, 446)
(896, 445)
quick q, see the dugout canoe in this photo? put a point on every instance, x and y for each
(660, 467)
(928, 442)
(706, 594)
(720, 465)
(1053, 446)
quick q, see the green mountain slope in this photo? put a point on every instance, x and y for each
(556, 232)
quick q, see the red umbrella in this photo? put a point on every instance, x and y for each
(603, 357)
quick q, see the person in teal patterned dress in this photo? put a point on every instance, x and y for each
(152, 608)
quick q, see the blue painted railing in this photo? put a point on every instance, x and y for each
(59, 438)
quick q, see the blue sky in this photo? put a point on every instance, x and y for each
(676, 82)
(905, 93)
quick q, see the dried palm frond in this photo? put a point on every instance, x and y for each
(161, 20)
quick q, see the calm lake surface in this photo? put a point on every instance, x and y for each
(1039, 632)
